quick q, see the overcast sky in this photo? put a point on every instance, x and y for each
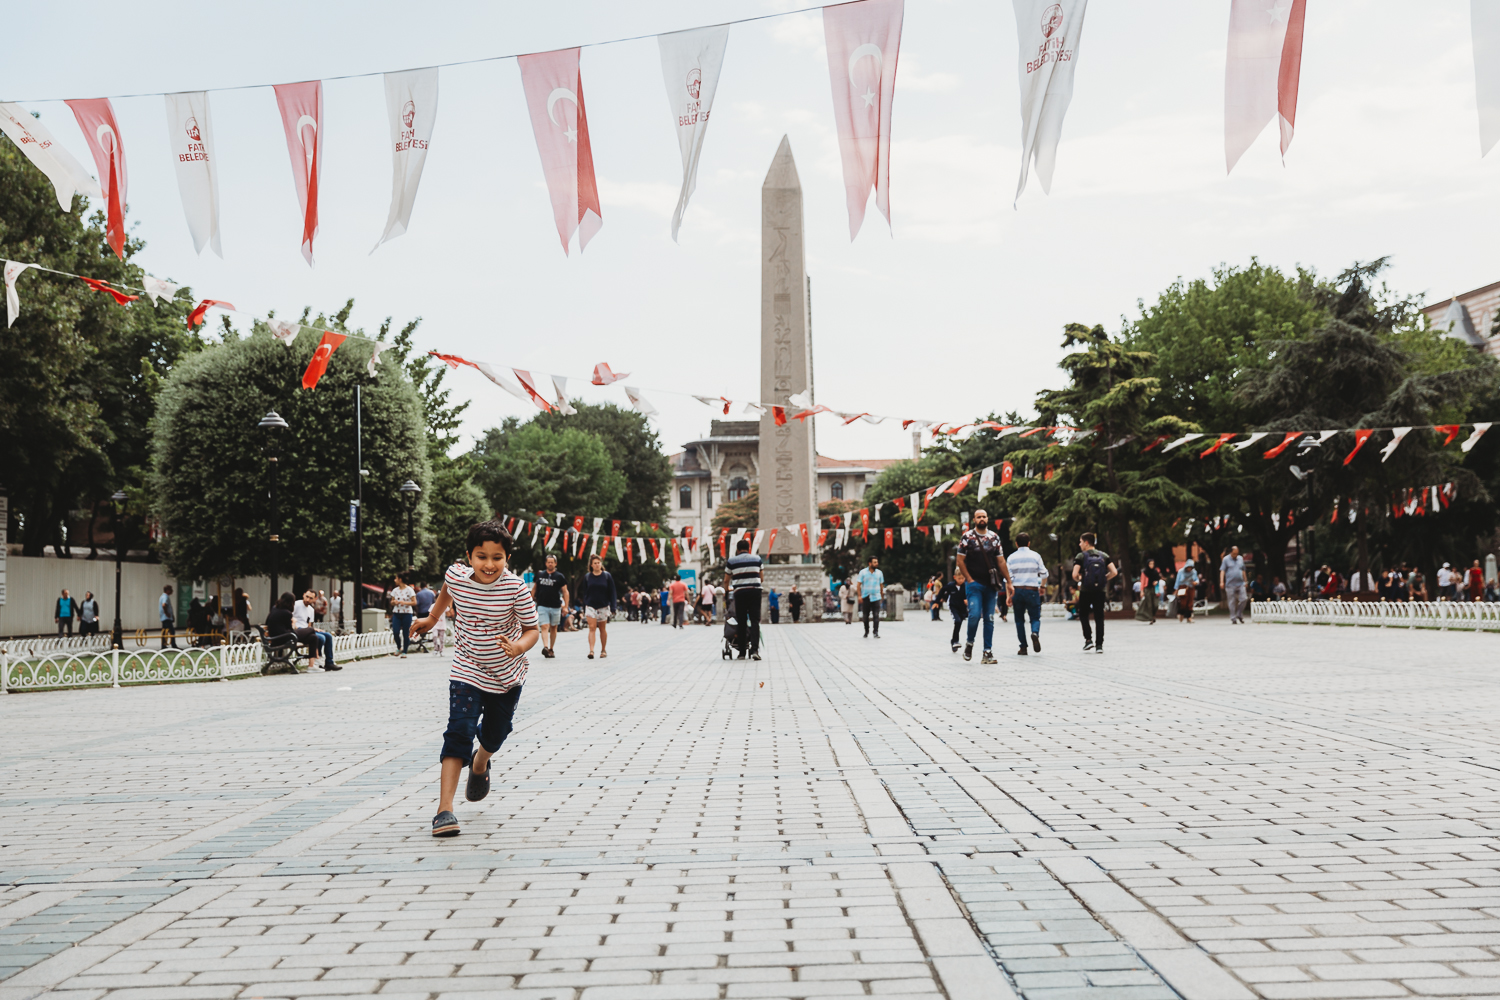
(958, 313)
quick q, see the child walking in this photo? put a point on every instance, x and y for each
(489, 662)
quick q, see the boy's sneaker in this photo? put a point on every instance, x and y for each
(988, 657)
(445, 824)
(479, 784)
(1098, 649)
(1088, 644)
(955, 647)
(968, 651)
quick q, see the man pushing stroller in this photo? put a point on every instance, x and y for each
(742, 578)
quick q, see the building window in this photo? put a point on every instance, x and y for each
(837, 489)
(739, 488)
(685, 497)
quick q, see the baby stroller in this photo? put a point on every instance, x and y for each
(730, 625)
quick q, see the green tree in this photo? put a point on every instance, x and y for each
(78, 372)
(1373, 363)
(530, 467)
(209, 479)
(634, 450)
(1095, 483)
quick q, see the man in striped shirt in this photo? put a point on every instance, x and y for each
(743, 580)
(498, 624)
(1028, 574)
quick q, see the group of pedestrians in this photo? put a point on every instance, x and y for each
(84, 613)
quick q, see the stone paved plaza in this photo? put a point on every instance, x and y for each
(1211, 811)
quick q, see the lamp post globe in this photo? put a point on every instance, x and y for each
(409, 493)
(117, 635)
(273, 424)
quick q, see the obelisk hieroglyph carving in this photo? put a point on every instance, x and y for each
(788, 478)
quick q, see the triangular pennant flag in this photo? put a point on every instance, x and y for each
(1451, 430)
(96, 118)
(301, 106)
(156, 289)
(1360, 437)
(32, 138)
(529, 384)
(639, 402)
(1261, 71)
(377, 348)
(1007, 472)
(1390, 449)
(1473, 438)
(690, 64)
(13, 269)
(99, 285)
(890, 535)
(986, 481)
(603, 376)
(1218, 444)
(284, 330)
(863, 41)
(560, 383)
(1285, 443)
(1049, 33)
(1181, 441)
(771, 541)
(200, 311)
(1242, 445)
(190, 133)
(411, 99)
(959, 484)
(905, 536)
(554, 96)
(319, 363)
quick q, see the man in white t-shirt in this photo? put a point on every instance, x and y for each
(304, 613)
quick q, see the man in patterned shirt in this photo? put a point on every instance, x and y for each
(982, 559)
(499, 624)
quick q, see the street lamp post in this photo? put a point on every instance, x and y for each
(1059, 566)
(117, 637)
(273, 424)
(409, 492)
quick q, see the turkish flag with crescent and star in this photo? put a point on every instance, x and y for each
(554, 96)
(319, 363)
(301, 107)
(96, 118)
(863, 41)
(1262, 67)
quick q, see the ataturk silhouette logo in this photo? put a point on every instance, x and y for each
(1052, 19)
(694, 83)
(408, 114)
(192, 130)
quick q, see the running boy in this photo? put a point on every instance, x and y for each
(489, 662)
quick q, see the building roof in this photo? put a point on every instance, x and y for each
(871, 464)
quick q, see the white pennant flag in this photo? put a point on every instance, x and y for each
(13, 269)
(191, 136)
(47, 155)
(916, 507)
(690, 64)
(411, 99)
(502, 381)
(1242, 445)
(842, 539)
(760, 536)
(1473, 439)
(638, 401)
(905, 536)
(157, 289)
(1390, 449)
(1262, 66)
(641, 546)
(1484, 19)
(560, 383)
(380, 346)
(551, 537)
(284, 330)
(1049, 34)
(597, 522)
(986, 481)
(1182, 440)
(619, 549)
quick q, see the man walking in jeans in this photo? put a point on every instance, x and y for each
(743, 580)
(1028, 575)
(871, 585)
(983, 562)
(1232, 583)
(1092, 569)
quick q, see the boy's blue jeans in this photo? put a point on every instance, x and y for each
(475, 712)
(981, 597)
(1027, 601)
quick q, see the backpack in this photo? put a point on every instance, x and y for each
(1095, 571)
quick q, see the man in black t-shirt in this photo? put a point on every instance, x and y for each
(549, 589)
(1092, 569)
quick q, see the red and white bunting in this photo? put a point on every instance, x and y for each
(96, 117)
(319, 363)
(301, 107)
(864, 41)
(553, 84)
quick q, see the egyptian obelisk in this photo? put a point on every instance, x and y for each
(788, 477)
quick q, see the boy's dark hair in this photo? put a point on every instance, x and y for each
(1023, 540)
(743, 546)
(490, 531)
(1088, 536)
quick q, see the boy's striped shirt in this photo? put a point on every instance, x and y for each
(486, 612)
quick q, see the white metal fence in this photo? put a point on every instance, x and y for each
(67, 668)
(1418, 614)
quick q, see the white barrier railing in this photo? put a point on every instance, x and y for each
(114, 667)
(54, 644)
(1469, 615)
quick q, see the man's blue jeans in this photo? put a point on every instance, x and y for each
(1027, 601)
(981, 597)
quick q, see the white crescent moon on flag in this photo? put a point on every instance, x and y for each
(311, 121)
(99, 137)
(557, 95)
(868, 49)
